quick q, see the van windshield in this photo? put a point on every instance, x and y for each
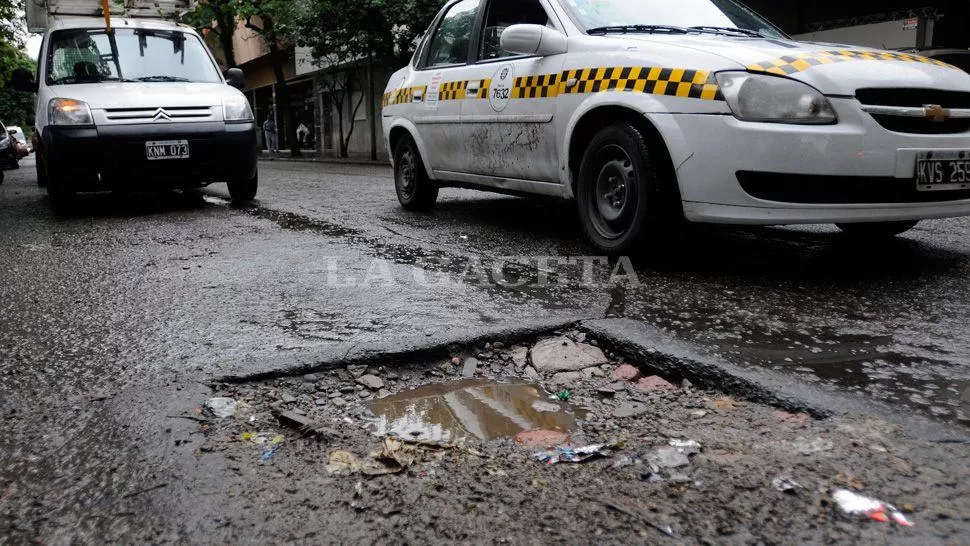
(94, 55)
(670, 16)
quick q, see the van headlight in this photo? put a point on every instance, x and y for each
(774, 99)
(69, 112)
(236, 109)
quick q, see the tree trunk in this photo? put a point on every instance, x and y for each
(283, 96)
(227, 26)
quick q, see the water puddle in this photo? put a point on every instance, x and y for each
(470, 409)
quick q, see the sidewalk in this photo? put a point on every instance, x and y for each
(312, 156)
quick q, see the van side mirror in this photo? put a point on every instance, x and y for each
(23, 80)
(236, 78)
(533, 40)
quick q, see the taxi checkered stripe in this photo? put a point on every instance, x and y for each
(536, 87)
(671, 82)
(793, 64)
(401, 96)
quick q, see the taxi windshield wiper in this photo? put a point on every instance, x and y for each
(633, 29)
(726, 30)
(162, 79)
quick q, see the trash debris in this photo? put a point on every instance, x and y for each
(785, 484)
(726, 403)
(690, 447)
(274, 446)
(471, 366)
(564, 395)
(569, 454)
(541, 438)
(221, 407)
(668, 457)
(853, 503)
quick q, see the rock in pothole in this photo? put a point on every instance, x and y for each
(562, 354)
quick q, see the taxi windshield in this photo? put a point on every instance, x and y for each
(143, 55)
(671, 17)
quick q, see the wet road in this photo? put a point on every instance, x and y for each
(112, 319)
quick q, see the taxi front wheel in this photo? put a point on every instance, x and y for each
(877, 230)
(618, 190)
(414, 189)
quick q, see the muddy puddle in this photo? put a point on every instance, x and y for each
(471, 409)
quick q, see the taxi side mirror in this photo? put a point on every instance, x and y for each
(533, 40)
(23, 80)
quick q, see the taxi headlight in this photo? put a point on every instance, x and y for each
(69, 112)
(236, 109)
(774, 99)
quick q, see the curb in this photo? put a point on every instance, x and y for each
(326, 160)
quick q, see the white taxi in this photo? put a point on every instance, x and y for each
(650, 112)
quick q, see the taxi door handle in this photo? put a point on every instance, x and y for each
(472, 88)
(418, 95)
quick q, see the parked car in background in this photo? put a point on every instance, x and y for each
(8, 151)
(23, 146)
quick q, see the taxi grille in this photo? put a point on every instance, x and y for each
(839, 190)
(906, 98)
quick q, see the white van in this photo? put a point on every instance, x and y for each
(134, 102)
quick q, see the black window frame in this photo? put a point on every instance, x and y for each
(472, 42)
(481, 32)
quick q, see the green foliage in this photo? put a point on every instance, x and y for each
(11, 22)
(340, 31)
(15, 108)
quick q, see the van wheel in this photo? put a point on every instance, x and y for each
(41, 168)
(243, 191)
(414, 189)
(618, 192)
(877, 230)
(62, 195)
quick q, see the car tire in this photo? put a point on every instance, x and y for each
(415, 190)
(244, 190)
(619, 192)
(877, 230)
(41, 168)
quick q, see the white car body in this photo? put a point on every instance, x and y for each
(855, 170)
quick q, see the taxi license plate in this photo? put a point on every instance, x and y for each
(166, 149)
(943, 171)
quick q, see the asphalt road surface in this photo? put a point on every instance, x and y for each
(132, 302)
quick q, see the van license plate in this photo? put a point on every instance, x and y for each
(943, 171)
(167, 149)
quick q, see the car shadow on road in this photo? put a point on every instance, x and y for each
(130, 205)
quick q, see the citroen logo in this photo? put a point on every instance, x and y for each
(161, 115)
(935, 112)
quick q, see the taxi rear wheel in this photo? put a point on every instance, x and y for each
(414, 189)
(877, 230)
(617, 190)
(243, 191)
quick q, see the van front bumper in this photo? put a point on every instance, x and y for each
(115, 158)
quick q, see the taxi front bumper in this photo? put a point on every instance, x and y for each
(114, 157)
(738, 172)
